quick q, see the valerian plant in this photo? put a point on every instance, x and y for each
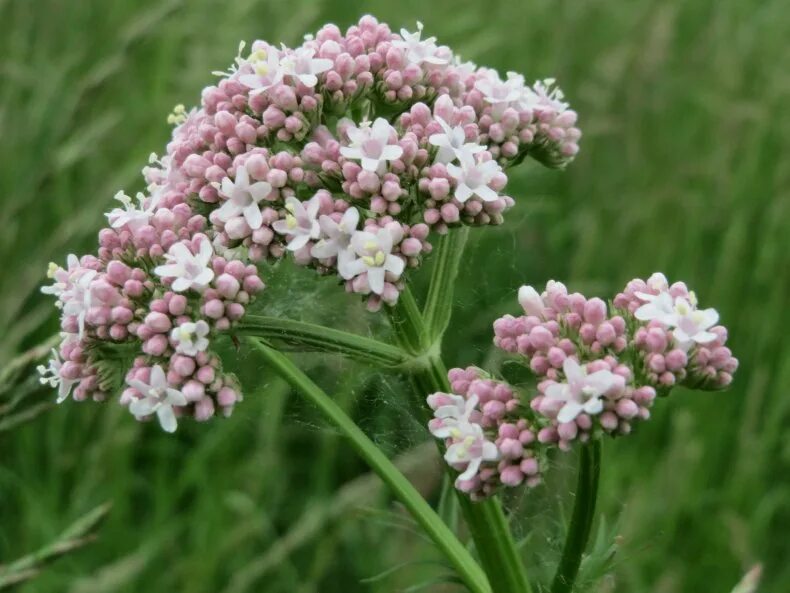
(358, 155)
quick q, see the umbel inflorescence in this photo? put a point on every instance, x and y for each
(347, 152)
(599, 370)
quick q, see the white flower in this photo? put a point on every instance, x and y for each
(243, 198)
(659, 307)
(371, 145)
(301, 65)
(472, 448)
(375, 258)
(336, 237)
(78, 298)
(300, 223)
(451, 142)
(418, 51)
(450, 419)
(157, 398)
(134, 216)
(62, 277)
(265, 70)
(50, 375)
(189, 270)
(582, 392)
(472, 177)
(531, 301)
(190, 338)
(691, 324)
(501, 93)
(543, 95)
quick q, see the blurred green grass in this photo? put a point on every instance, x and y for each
(683, 168)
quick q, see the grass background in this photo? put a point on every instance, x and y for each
(683, 168)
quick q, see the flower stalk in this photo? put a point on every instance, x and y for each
(582, 519)
(468, 570)
(422, 336)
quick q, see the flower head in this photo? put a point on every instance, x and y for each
(188, 270)
(157, 398)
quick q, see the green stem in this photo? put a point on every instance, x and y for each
(582, 519)
(486, 521)
(308, 336)
(438, 307)
(468, 570)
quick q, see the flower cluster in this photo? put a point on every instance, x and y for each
(345, 152)
(599, 368)
(488, 438)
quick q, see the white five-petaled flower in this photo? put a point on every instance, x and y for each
(472, 448)
(336, 237)
(691, 325)
(50, 375)
(581, 392)
(418, 51)
(451, 142)
(266, 71)
(374, 251)
(302, 66)
(371, 145)
(131, 215)
(501, 93)
(157, 398)
(659, 307)
(243, 198)
(472, 177)
(190, 338)
(450, 420)
(531, 301)
(188, 270)
(301, 222)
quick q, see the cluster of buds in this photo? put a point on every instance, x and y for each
(599, 369)
(345, 152)
(488, 438)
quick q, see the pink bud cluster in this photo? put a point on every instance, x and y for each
(709, 364)
(623, 358)
(345, 152)
(494, 407)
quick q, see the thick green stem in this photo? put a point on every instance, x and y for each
(582, 519)
(466, 567)
(308, 336)
(486, 521)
